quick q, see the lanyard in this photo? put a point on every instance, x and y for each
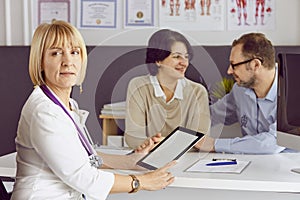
(82, 138)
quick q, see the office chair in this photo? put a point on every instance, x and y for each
(289, 73)
(4, 195)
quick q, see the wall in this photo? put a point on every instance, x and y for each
(109, 70)
(15, 87)
(19, 30)
(15, 84)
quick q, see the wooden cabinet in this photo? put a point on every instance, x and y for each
(109, 126)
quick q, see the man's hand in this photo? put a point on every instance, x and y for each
(206, 143)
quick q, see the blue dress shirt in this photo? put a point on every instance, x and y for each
(256, 116)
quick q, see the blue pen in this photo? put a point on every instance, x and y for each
(221, 163)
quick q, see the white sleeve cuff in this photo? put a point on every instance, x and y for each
(106, 183)
(222, 145)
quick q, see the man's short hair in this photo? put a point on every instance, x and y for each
(256, 45)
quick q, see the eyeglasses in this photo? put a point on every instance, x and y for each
(243, 62)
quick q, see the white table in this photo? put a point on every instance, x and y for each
(266, 177)
(174, 193)
(264, 173)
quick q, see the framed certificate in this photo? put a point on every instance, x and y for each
(49, 10)
(171, 148)
(139, 13)
(45, 11)
(98, 13)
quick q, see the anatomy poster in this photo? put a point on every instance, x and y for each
(251, 14)
(205, 15)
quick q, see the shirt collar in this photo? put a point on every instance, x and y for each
(272, 94)
(158, 92)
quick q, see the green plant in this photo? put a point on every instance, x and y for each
(222, 88)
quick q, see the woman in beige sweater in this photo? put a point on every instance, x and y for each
(165, 99)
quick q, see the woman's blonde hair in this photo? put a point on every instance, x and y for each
(56, 34)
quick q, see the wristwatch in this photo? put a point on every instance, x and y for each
(135, 184)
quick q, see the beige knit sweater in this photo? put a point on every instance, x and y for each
(147, 114)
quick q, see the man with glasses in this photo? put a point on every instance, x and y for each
(252, 100)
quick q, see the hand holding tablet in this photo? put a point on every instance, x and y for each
(171, 148)
(154, 140)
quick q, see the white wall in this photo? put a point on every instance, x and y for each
(16, 27)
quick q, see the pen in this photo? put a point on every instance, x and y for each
(223, 159)
(221, 163)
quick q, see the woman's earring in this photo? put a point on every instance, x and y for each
(80, 88)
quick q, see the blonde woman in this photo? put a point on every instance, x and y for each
(54, 159)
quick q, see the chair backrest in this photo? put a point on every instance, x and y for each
(289, 94)
(4, 195)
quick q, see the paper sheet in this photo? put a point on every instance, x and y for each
(200, 166)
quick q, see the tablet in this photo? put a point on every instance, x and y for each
(178, 142)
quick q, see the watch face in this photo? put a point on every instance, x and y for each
(136, 184)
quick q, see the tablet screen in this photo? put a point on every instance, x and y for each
(171, 148)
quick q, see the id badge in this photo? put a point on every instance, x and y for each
(95, 161)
